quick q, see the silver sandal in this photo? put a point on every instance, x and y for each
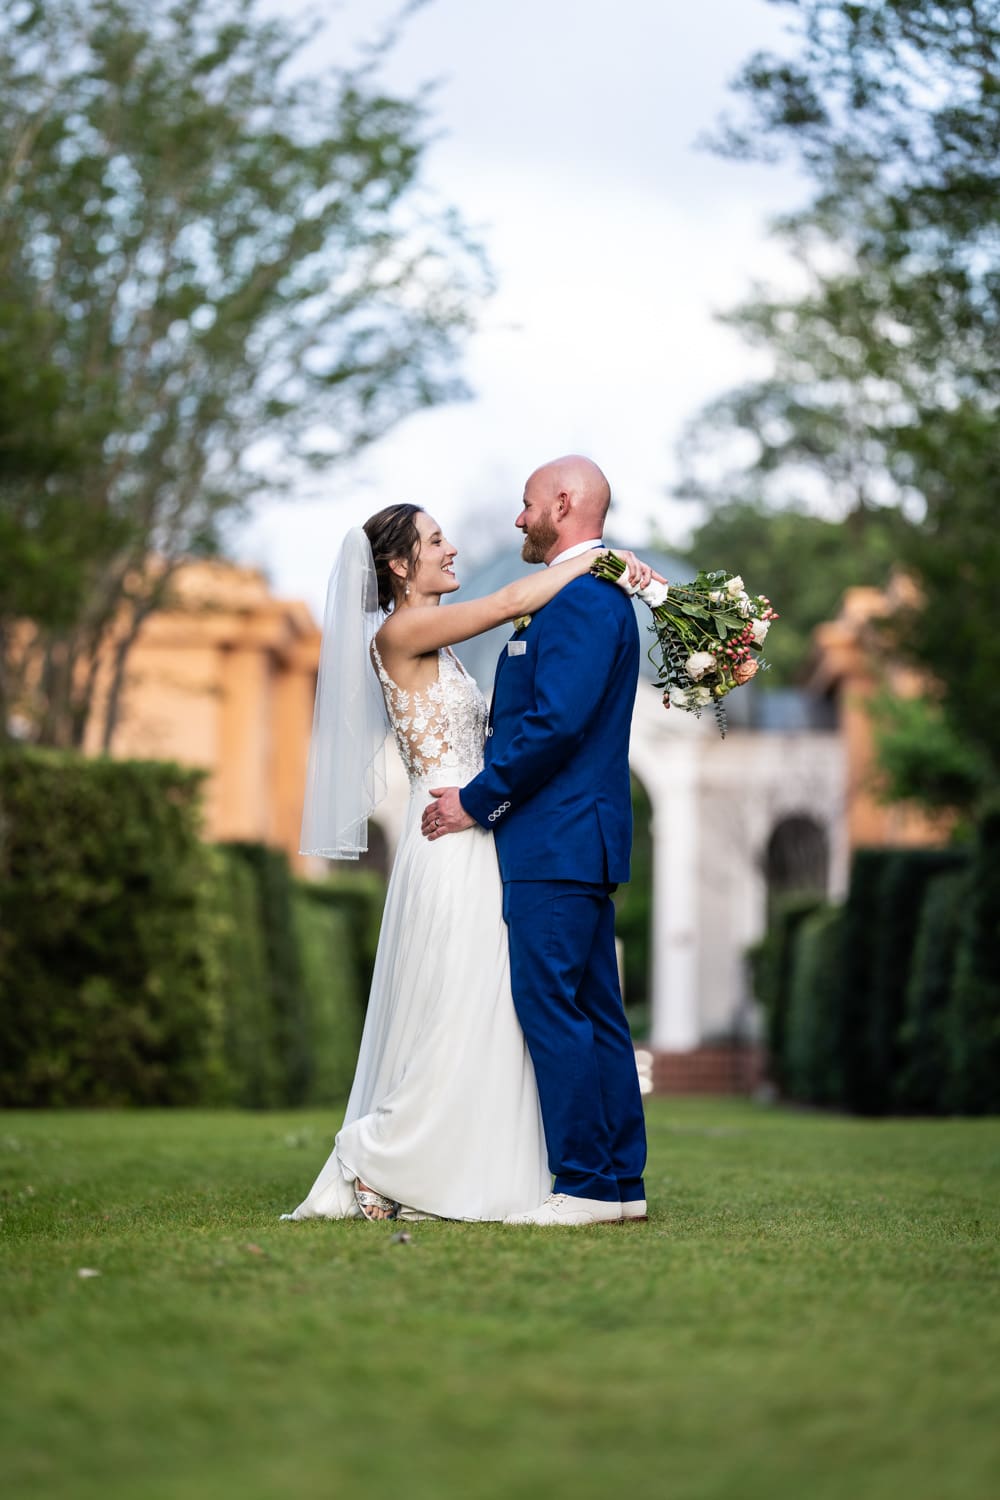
(366, 1198)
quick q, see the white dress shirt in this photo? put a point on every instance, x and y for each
(575, 551)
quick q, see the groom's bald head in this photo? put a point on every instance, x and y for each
(565, 502)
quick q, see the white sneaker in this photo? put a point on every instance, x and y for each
(562, 1209)
(636, 1211)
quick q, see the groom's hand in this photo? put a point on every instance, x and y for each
(445, 814)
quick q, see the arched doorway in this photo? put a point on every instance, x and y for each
(797, 859)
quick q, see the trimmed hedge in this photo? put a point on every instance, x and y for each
(253, 1062)
(106, 975)
(896, 919)
(892, 1001)
(330, 959)
(287, 1004)
(921, 1086)
(973, 1020)
(861, 930)
(882, 919)
(771, 964)
(360, 896)
(813, 1046)
(141, 966)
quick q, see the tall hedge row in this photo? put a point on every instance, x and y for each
(105, 994)
(771, 963)
(973, 1020)
(881, 928)
(892, 1002)
(139, 965)
(814, 1059)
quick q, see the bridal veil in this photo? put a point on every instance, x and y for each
(345, 779)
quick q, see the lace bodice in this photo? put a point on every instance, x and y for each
(443, 725)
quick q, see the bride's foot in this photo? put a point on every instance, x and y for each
(372, 1205)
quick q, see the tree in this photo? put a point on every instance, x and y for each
(213, 273)
(884, 388)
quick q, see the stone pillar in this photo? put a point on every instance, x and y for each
(675, 1025)
(292, 713)
(243, 790)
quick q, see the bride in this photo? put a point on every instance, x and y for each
(443, 1118)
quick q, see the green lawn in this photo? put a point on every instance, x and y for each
(811, 1312)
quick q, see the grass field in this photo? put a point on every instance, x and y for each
(811, 1312)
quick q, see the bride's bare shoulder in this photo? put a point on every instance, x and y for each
(407, 667)
(397, 634)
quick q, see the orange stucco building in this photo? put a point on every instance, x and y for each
(850, 665)
(225, 680)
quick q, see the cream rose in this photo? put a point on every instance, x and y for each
(698, 663)
(760, 629)
(735, 587)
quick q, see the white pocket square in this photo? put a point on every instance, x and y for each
(516, 648)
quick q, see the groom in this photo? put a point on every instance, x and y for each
(555, 792)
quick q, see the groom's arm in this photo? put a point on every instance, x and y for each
(577, 646)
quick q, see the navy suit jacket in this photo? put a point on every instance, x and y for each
(555, 785)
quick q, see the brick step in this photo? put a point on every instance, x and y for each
(720, 1069)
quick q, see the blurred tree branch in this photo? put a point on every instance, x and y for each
(213, 272)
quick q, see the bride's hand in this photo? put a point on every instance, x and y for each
(639, 572)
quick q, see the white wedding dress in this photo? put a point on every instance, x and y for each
(443, 1115)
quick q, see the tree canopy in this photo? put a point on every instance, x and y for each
(216, 266)
(884, 386)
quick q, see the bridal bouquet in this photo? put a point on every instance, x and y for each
(709, 636)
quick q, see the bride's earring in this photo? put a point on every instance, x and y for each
(406, 591)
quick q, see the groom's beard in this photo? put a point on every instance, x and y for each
(539, 540)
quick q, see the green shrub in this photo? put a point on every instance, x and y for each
(106, 993)
(921, 1084)
(882, 921)
(297, 959)
(289, 1020)
(905, 879)
(253, 1061)
(771, 974)
(360, 895)
(330, 976)
(812, 1050)
(860, 948)
(973, 1017)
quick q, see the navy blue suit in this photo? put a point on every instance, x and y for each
(555, 792)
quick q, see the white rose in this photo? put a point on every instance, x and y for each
(734, 586)
(699, 697)
(760, 629)
(698, 663)
(678, 697)
(718, 596)
(654, 593)
(743, 604)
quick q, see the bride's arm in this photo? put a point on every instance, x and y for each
(417, 631)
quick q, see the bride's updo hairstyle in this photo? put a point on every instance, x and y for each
(393, 536)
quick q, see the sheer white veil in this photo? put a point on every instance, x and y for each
(345, 779)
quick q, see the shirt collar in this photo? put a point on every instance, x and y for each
(575, 551)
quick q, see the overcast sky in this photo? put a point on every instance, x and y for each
(567, 137)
